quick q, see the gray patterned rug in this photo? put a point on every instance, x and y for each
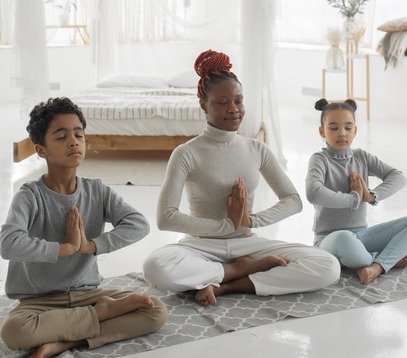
(188, 321)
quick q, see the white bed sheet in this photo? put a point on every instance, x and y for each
(145, 127)
(141, 111)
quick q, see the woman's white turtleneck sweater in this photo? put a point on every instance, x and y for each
(208, 166)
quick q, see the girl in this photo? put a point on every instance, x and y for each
(220, 171)
(337, 185)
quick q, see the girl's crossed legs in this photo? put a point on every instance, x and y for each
(372, 250)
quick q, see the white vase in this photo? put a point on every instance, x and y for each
(348, 26)
(334, 58)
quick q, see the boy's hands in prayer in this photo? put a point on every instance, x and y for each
(75, 237)
(72, 235)
(87, 246)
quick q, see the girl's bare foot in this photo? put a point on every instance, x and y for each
(51, 349)
(206, 296)
(107, 307)
(368, 273)
(402, 263)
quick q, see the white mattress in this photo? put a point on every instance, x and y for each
(141, 111)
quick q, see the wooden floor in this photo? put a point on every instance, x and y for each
(376, 331)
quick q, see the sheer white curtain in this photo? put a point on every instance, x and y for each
(30, 71)
(103, 35)
(6, 22)
(258, 53)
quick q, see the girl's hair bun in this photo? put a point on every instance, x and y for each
(321, 104)
(352, 104)
(212, 62)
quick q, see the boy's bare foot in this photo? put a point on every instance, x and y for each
(402, 263)
(206, 296)
(368, 273)
(51, 349)
(107, 307)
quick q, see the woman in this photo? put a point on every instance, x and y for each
(220, 171)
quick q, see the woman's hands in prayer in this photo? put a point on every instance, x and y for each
(237, 205)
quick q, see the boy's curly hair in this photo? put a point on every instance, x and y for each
(43, 113)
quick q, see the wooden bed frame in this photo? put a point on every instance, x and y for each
(24, 148)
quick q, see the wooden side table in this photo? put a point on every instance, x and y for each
(349, 69)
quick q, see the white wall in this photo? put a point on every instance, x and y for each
(73, 68)
(296, 69)
(70, 67)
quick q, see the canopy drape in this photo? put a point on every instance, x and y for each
(30, 70)
(243, 29)
(162, 37)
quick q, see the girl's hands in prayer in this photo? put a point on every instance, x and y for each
(366, 194)
(355, 184)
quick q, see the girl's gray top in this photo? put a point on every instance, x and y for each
(328, 189)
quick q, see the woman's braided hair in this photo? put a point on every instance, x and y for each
(212, 67)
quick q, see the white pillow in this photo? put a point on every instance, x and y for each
(394, 25)
(132, 80)
(188, 79)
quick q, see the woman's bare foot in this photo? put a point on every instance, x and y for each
(368, 273)
(402, 263)
(263, 264)
(51, 349)
(107, 307)
(236, 277)
(206, 296)
(245, 265)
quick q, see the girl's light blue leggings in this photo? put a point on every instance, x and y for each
(385, 244)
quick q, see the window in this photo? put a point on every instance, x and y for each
(299, 21)
(151, 21)
(66, 22)
(307, 22)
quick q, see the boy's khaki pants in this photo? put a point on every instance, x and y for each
(71, 317)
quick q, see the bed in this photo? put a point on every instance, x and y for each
(132, 112)
(126, 111)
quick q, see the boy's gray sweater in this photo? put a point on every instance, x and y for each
(35, 226)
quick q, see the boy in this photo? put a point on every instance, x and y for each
(52, 235)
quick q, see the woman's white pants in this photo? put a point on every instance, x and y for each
(195, 263)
